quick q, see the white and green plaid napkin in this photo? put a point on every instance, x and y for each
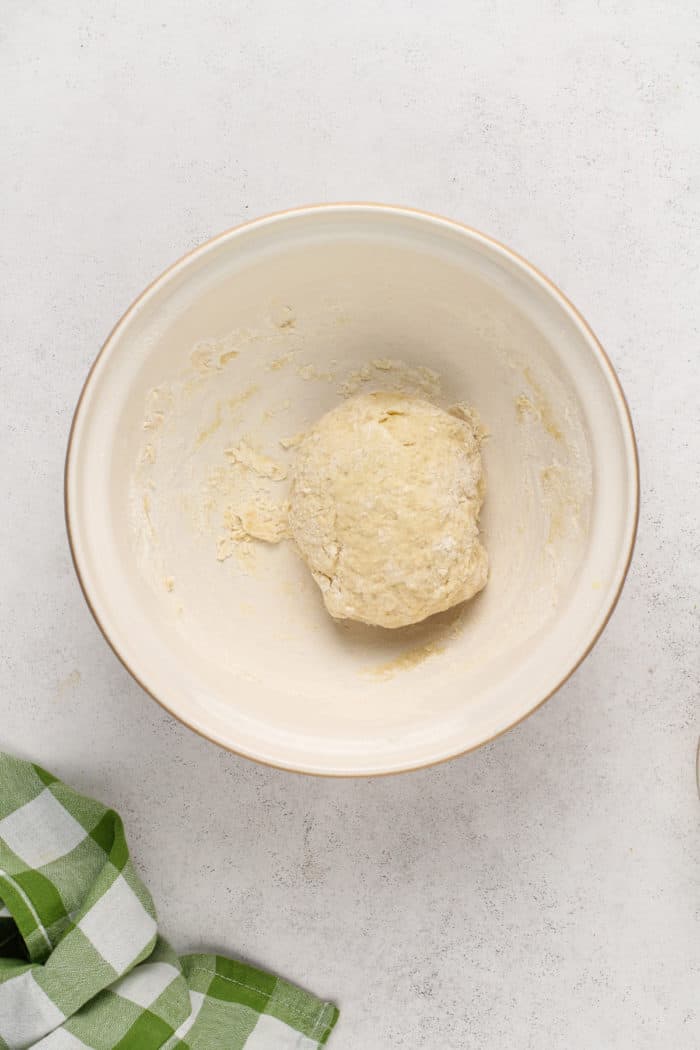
(81, 962)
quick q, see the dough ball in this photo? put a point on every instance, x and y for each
(384, 508)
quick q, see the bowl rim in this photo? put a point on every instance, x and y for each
(398, 209)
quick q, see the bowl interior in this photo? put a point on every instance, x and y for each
(250, 339)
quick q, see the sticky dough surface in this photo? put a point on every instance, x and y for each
(384, 508)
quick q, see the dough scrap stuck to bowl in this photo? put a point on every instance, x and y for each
(384, 508)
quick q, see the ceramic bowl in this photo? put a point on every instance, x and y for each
(249, 339)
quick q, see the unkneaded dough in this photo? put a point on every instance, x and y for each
(384, 507)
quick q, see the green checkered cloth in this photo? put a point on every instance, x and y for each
(81, 962)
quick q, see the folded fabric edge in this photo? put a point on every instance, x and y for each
(220, 977)
(230, 980)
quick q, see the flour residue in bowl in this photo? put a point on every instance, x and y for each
(210, 485)
(231, 492)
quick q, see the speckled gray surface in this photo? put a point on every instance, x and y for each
(544, 891)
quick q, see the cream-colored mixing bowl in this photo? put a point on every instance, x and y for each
(242, 345)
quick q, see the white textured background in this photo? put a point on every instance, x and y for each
(544, 891)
